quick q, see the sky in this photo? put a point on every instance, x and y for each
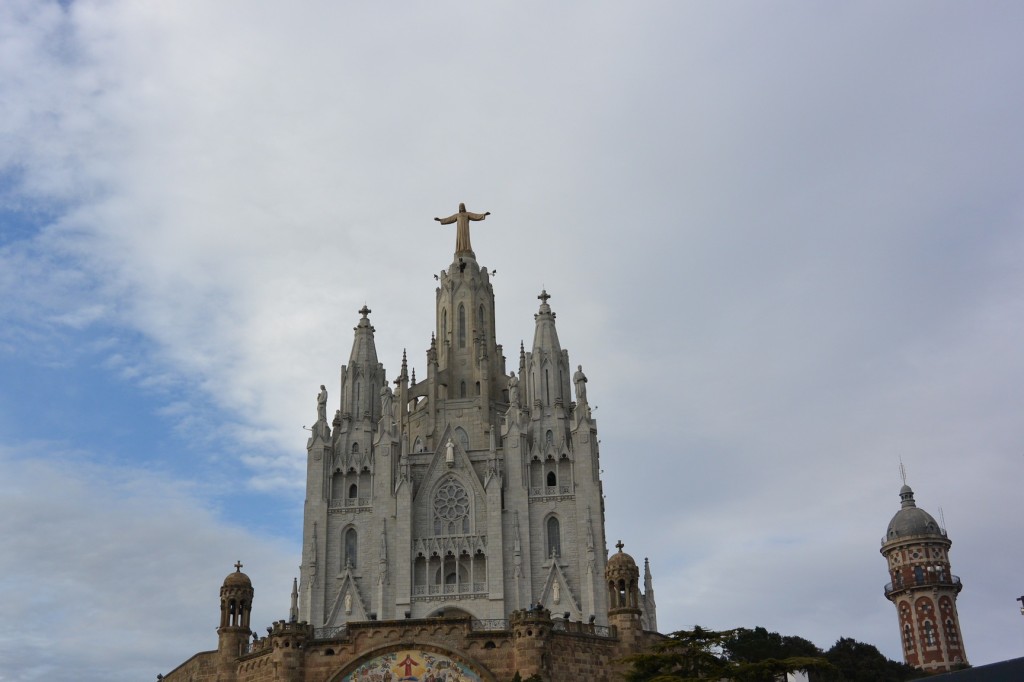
(785, 241)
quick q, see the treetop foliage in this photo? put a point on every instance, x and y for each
(745, 655)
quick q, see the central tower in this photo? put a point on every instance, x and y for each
(470, 490)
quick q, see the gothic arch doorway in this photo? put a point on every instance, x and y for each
(403, 662)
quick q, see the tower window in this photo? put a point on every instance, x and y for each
(462, 389)
(462, 326)
(353, 492)
(355, 448)
(552, 479)
(463, 437)
(351, 547)
(929, 634)
(554, 537)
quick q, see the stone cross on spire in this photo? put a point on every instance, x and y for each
(238, 567)
(462, 219)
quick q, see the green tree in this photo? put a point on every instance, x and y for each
(699, 655)
(758, 644)
(859, 662)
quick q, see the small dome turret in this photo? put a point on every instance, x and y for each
(236, 600)
(910, 520)
(622, 577)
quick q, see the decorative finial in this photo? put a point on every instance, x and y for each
(238, 566)
(620, 546)
(903, 472)
(364, 311)
(544, 296)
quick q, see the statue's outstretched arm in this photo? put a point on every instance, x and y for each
(477, 216)
(449, 220)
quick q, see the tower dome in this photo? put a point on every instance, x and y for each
(237, 579)
(910, 520)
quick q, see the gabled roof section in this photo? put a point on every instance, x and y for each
(337, 614)
(460, 465)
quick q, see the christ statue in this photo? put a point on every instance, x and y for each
(462, 232)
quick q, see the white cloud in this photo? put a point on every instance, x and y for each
(783, 243)
(111, 572)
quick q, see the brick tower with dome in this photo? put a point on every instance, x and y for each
(923, 588)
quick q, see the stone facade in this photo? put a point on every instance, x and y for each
(923, 588)
(451, 516)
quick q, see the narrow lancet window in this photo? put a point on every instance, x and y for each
(462, 326)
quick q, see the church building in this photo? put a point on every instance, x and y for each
(453, 526)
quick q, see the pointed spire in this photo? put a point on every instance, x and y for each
(648, 579)
(547, 365)
(293, 612)
(362, 377)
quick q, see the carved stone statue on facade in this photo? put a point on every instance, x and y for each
(348, 602)
(580, 379)
(386, 407)
(513, 388)
(321, 404)
(555, 593)
(462, 219)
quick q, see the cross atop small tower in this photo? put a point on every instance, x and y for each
(619, 545)
(544, 296)
(238, 566)
(364, 311)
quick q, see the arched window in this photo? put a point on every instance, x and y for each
(554, 537)
(550, 437)
(482, 326)
(929, 634)
(462, 389)
(463, 437)
(951, 635)
(908, 638)
(919, 575)
(444, 325)
(552, 479)
(462, 326)
(353, 492)
(351, 548)
(355, 448)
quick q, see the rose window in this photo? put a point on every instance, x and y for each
(451, 509)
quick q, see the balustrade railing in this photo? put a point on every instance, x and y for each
(546, 491)
(332, 632)
(923, 580)
(450, 588)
